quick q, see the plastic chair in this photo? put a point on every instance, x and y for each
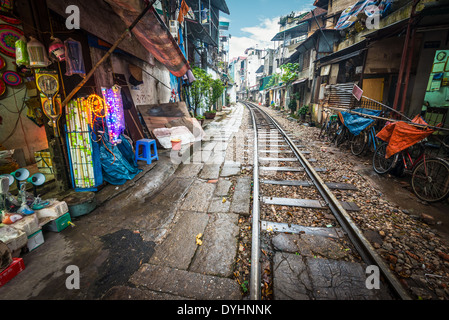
(149, 152)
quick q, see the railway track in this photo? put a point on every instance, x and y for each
(329, 262)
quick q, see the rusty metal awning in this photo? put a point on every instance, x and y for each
(300, 81)
(154, 35)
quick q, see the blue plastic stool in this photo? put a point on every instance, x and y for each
(149, 152)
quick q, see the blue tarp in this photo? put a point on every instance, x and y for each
(355, 123)
(124, 167)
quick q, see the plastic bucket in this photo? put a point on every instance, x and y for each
(176, 144)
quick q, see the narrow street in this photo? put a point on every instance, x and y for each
(221, 158)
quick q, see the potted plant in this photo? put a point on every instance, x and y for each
(210, 115)
(303, 112)
(201, 119)
(293, 105)
(215, 93)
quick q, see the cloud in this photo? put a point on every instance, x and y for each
(259, 35)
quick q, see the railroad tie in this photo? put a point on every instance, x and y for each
(306, 203)
(292, 183)
(288, 169)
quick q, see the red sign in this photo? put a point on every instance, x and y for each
(357, 92)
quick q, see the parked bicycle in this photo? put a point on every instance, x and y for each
(366, 139)
(342, 135)
(330, 127)
(430, 176)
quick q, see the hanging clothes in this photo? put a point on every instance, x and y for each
(174, 85)
(183, 11)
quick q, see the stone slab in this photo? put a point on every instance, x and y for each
(178, 249)
(218, 206)
(217, 254)
(185, 284)
(210, 172)
(152, 221)
(172, 192)
(231, 169)
(198, 197)
(223, 187)
(209, 146)
(242, 196)
(303, 278)
(189, 170)
(124, 293)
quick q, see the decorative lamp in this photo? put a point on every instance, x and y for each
(115, 118)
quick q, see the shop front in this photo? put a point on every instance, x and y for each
(69, 116)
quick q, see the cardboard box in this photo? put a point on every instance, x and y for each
(12, 271)
(35, 240)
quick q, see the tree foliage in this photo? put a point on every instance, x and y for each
(217, 89)
(289, 72)
(200, 89)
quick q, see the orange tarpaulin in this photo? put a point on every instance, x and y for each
(401, 135)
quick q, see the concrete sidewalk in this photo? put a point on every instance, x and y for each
(207, 197)
(140, 242)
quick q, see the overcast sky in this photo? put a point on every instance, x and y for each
(255, 22)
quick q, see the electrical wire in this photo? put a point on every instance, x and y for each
(18, 120)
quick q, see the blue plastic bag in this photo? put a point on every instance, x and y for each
(121, 168)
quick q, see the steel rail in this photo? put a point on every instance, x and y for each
(255, 280)
(362, 245)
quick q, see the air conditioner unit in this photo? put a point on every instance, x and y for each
(174, 27)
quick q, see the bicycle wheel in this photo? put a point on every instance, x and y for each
(382, 165)
(324, 128)
(343, 135)
(358, 143)
(332, 131)
(430, 180)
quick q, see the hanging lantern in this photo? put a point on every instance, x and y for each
(57, 50)
(37, 54)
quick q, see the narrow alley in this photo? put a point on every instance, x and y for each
(224, 157)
